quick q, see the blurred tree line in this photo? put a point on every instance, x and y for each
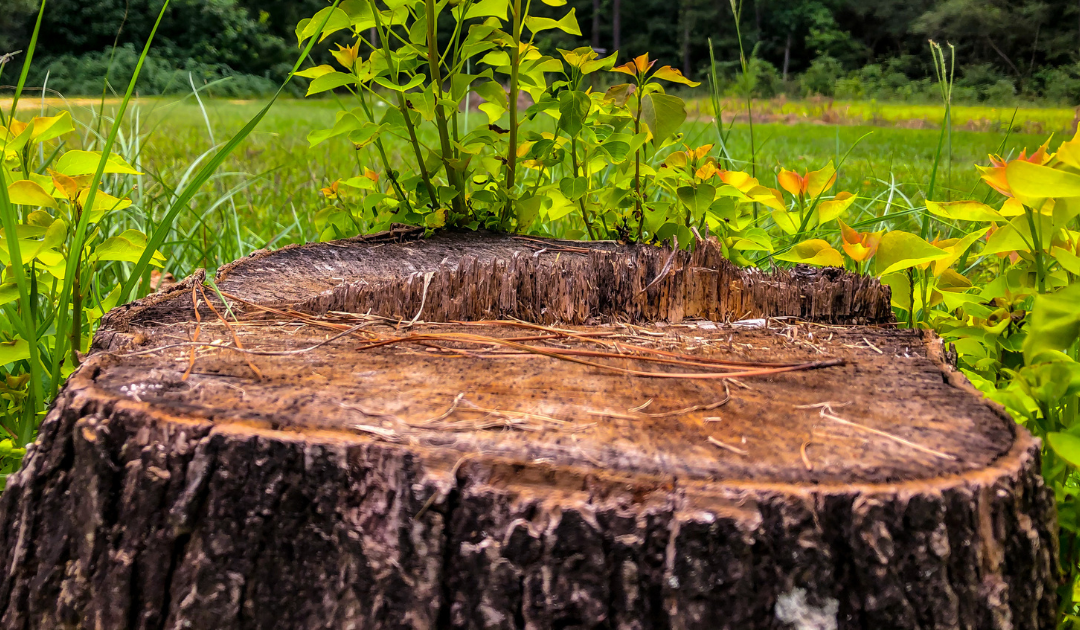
(846, 48)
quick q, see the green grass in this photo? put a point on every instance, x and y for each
(973, 117)
(274, 177)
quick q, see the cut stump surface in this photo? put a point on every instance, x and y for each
(479, 431)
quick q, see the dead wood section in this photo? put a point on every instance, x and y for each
(490, 432)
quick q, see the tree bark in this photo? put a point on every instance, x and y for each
(595, 24)
(616, 25)
(423, 471)
(787, 57)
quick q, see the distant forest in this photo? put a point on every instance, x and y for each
(846, 48)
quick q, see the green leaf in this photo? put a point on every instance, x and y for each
(568, 23)
(813, 252)
(14, 350)
(9, 292)
(1015, 236)
(424, 102)
(127, 247)
(1066, 446)
(487, 8)
(528, 208)
(557, 205)
(52, 127)
(574, 187)
(1050, 382)
(330, 81)
(1069, 261)
(900, 250)
(75, 163)
(1054, 322)
(574, 108)
(664, 114)
(315, 72)
(400, 87)
(697, 198)
(366, 134)
(963, 211)
(335, 20)
(1033, 182)
(27, 193)
(346, 122)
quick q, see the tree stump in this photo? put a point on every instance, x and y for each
(482, 431)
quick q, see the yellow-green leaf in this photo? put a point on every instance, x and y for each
(568, 23)
(27, 193)
(47, 128)
(9, 292)
(1031, 183)
(14, 350)
(963, 211)
(75, 163)
(664, 114)
(1066, 446)
(956, 250)
(316, 72)
(813, 252)
(1015, 236)
(103, 203)
(833, 208)
(329, 81)
(336, 21)
(1054, 323)
(900, 250)
(1069, 261)
(126, 247)
(487, 8)
(667, 73)
(786, 221)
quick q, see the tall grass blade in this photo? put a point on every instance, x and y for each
(207, 171)
(63, 320)
(10, 218)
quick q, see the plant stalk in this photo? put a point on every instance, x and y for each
(404, 109)
(637, 169)
(452, 176)
(581, 200)
(512, 97)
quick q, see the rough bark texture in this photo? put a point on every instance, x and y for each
(342, 489)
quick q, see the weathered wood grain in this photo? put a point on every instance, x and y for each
(345, 488)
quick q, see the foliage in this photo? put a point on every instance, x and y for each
(66, 262)
(456, 114)
(83, 74)
(987, 276)
(1028, 43)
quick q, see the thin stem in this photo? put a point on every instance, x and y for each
(440, 115)
(512, 96)
(1036, 241)
(637, 168)
(581, 200)
(390, 173)
(403, 107)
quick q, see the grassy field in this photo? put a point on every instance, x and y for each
(1024, 118)
(267, 193)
